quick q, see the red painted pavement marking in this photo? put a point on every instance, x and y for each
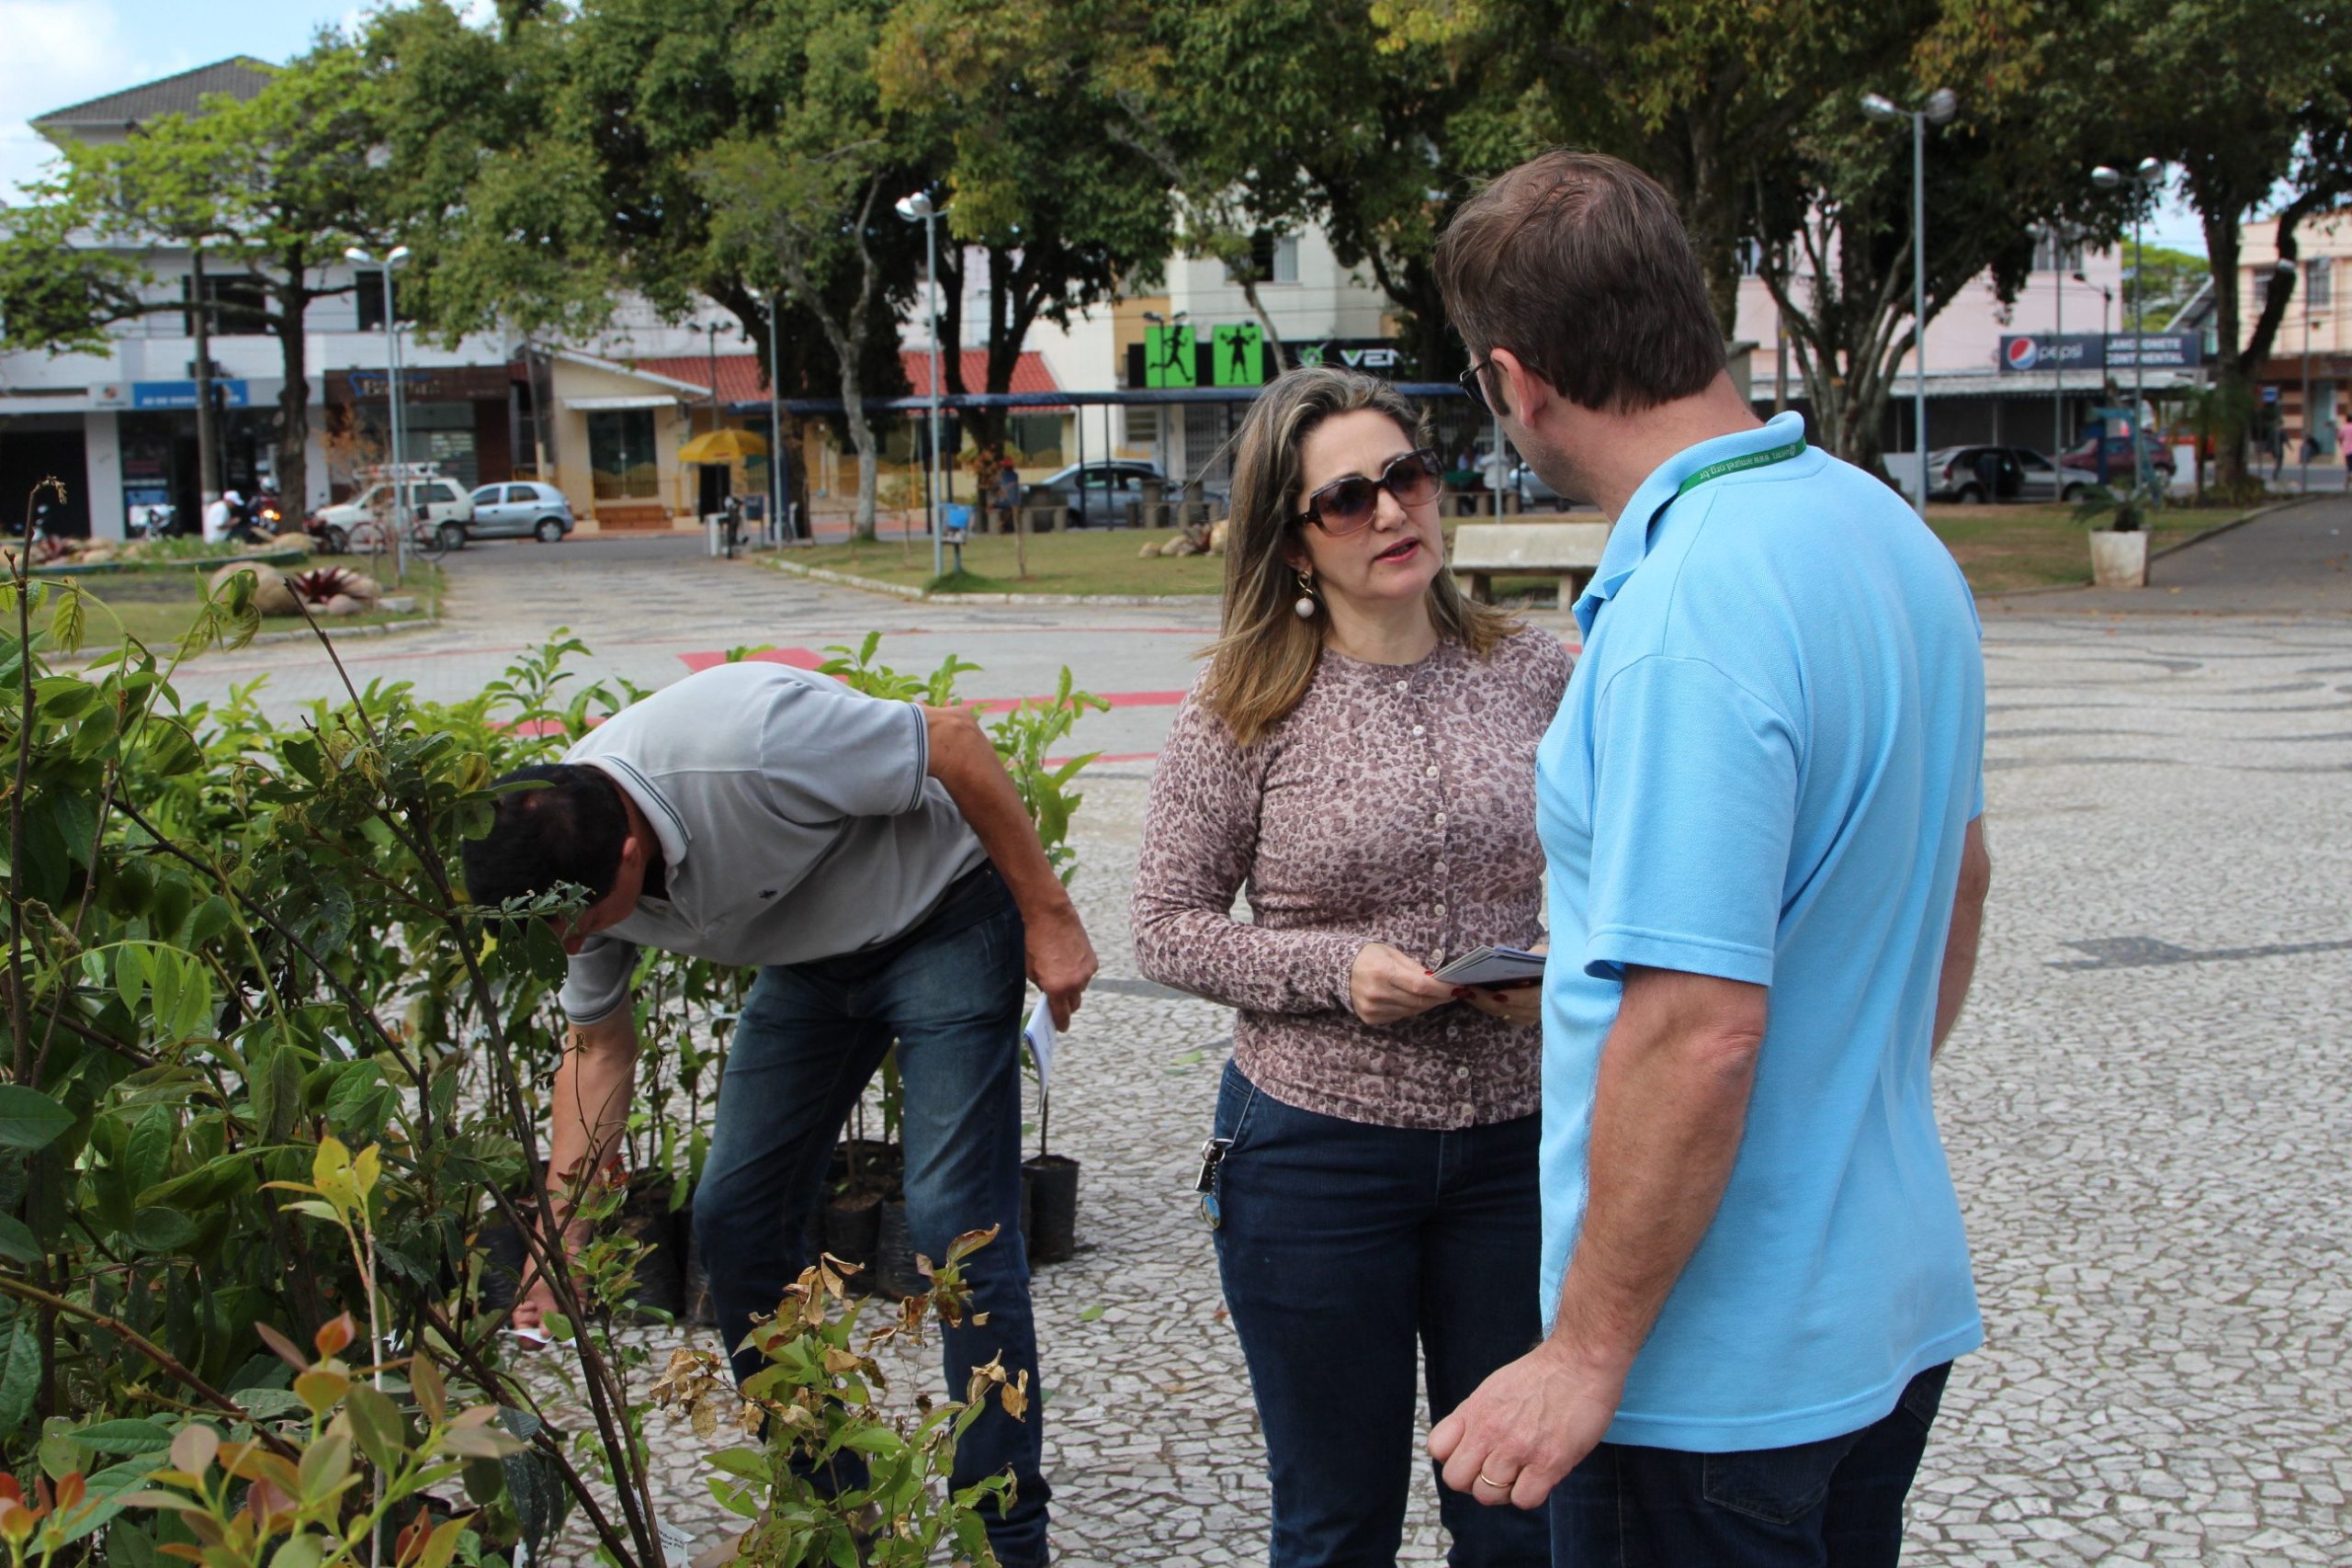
(1116, 699)
(798, 658)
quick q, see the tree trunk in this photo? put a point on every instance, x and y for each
(2232, 377)
(1265, 323)
(208, 438)
(1711, 217)
(294, 401)
(861, 433)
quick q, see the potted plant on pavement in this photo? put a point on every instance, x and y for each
(2118, 521)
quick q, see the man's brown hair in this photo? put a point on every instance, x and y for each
(1578, 265)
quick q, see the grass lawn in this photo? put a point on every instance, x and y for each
(2004, 547)
(1089, 560)
(158, 607)
(1999, 547)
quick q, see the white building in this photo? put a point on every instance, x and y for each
(120, 424)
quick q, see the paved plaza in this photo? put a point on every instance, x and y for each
(2147, 1105)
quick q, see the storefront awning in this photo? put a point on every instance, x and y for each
(633, 400)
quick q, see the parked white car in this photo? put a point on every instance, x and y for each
(365, 522)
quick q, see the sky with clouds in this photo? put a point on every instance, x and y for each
(64, 52)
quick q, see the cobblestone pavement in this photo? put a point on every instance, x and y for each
(2146, 1106)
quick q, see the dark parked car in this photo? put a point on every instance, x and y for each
(2082, 463)
(1971, 475)
(1108, 492)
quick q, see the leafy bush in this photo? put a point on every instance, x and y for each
(236, 955)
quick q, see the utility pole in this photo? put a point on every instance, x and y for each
(207, 433)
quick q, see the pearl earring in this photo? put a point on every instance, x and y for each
(1306, 606)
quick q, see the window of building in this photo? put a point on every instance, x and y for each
(1273, 259)
(238, 307)
(2319, 283)
(367, 295)
(621, 461)
(2056, 252)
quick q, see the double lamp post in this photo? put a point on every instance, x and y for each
(391, 261)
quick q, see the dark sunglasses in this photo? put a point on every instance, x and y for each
(1473, 381)
(1346, 506)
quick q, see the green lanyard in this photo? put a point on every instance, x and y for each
(1741, 465)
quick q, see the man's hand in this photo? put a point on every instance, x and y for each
(1060, 959)
(1385, 986)
(1526, 1426)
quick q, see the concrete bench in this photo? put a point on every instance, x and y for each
(1571, 551)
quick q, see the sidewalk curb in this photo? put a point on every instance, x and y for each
(381, 628)
(925, 596)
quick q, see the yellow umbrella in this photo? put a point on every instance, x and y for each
(722, 447)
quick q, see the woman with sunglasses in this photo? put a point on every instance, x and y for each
(1360, 755)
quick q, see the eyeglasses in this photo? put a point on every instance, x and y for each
(1346, 506)
(1473, 381)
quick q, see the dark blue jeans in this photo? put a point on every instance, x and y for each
(1834, 1504)
(1340, 1244)
(949, 994)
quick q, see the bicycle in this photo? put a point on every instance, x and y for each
(433, 540)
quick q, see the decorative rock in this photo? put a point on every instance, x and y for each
(272, 595)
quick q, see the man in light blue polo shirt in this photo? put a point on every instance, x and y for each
(1759, 801)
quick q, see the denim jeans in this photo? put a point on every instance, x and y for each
(949, 994)
(1834, 1504)
(1340, 1244)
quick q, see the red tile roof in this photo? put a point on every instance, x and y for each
(740, 380)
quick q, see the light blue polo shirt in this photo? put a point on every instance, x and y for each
(1762, 770)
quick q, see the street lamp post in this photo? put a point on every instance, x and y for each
(2058, 365)
(779, 529)
(919, 209)
(1941, 105)
(392, 259)
(2105, 305)
(2144, 178)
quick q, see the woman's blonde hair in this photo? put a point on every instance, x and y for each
(1264, 657)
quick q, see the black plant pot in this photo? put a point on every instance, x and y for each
(852, 1231)
(895, 1273)
(1028, 1209)
(1052, 1231)
(646, 1218)
(504, 1256)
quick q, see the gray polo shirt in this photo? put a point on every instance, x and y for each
(797, 820)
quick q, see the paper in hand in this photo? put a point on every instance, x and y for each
(1039, 1033)
(1493, 966)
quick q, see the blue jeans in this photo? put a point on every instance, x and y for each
(949, 993)
(1340, 1244)
(1834, 1504)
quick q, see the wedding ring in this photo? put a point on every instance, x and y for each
(1498, 1486)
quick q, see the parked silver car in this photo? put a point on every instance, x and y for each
(519, 509)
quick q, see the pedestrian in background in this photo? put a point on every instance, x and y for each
(1007, 496)
(1358, 755)
(1759, 805)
